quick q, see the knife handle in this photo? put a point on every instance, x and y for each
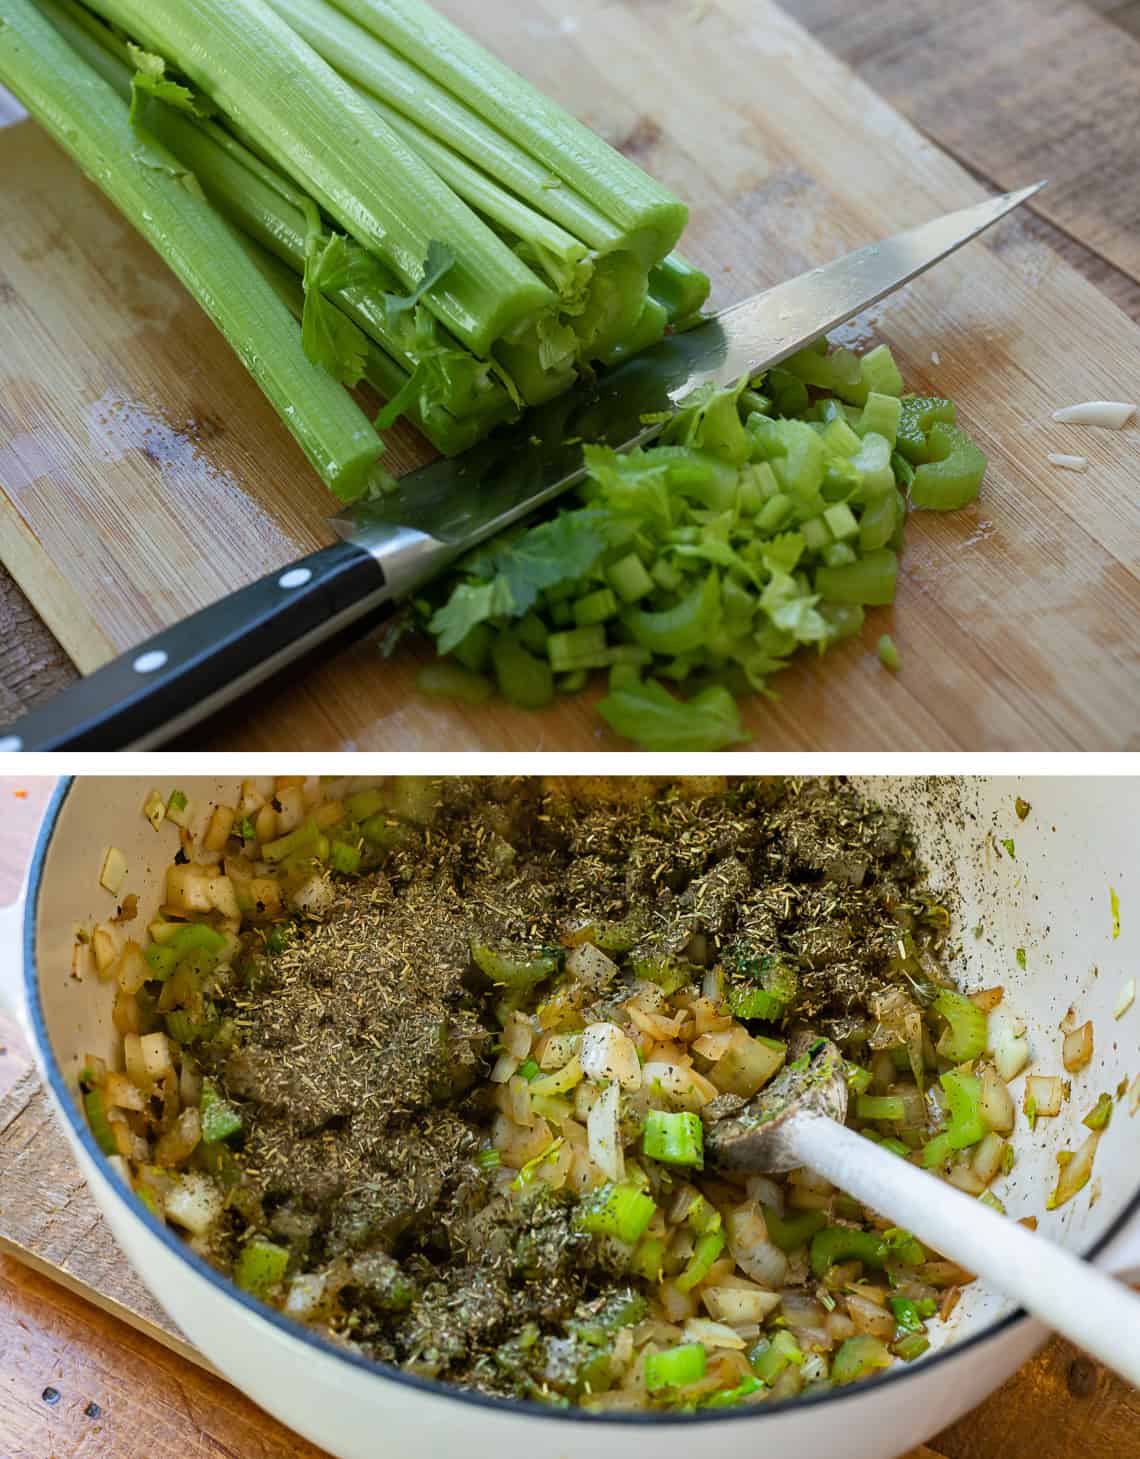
(195, 668)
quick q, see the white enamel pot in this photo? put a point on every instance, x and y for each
(1052, 899)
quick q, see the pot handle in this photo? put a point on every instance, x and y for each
(11, 960)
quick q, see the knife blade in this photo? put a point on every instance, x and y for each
(199, 666)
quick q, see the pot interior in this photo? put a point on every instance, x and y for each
(1048, 892)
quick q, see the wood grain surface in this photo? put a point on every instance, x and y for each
(144, 476)
(92, 1368)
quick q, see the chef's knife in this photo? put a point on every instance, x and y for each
(186, 673)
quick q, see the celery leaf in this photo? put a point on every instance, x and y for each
(329, 337)
(554, 552)
(150, 79)
(437, 263)
(469, 605)
(649, 715)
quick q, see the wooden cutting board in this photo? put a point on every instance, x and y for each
(143, 475)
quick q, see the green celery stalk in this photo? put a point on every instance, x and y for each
(457, 406)
(298, 111)
(650, 217)
(83, 113)
(363, 58)
(680, 287)
(401, 95)
(448, 433)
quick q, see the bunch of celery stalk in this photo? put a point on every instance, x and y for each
(440, 229)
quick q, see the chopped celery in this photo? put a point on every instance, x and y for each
(595, 607)
(96, 1110)
(708, 1247)
(859, 1357)
(629, 579)
(964, 1100)
(912, 1346)
(522, 678)
(676, 1138)
(879, 372)
(870, 580)
(888, 653)
(578, 648)
(881, 414)
(621, 1211)
(951, 475)
(675, 1367)
(789, 1233)
(514, 968)
(444, 680)
(919, 415)
(260, 1266)
(937, 1151)
(880, 1107)
(845, 1243)
(219, 1119)
(964, 1037)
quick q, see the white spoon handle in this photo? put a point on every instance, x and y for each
(1071, 1296)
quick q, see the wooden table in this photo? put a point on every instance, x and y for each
(1012, 89)
(76, 1383)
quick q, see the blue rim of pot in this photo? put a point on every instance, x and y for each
(437, 1388)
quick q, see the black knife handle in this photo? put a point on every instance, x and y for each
(188, 672)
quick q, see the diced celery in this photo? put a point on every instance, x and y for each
(578, 648)
(523, 679)
(951, 476)
(616, 1210)
(595, 607)
(675, 1367)
(260, 1266)
(708, 1247)
(859, 1357)
(881, 414)
(964, 1037)
(629, 579)
(815, 534)
(880, 373)
(919, 414)
(871, 580)
(674, 1137)
(964, 1099)
(841, 520)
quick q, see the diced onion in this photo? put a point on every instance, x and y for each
(1126, 999)
(1047, 1091)
(155, 1051)
(997, 1107)
(104, 950)
(713, 1334)
(113, 871)
(1075, 1173)
(1068, 463)
(754, 1254)
(194, 1203)
(1007, 1043)
(1111, 414)
(739, 1306)
(306, 1293)
(607, 1053)
(602, 1133)
(869, 1317)
(1077, 1049)
(518, 1034)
